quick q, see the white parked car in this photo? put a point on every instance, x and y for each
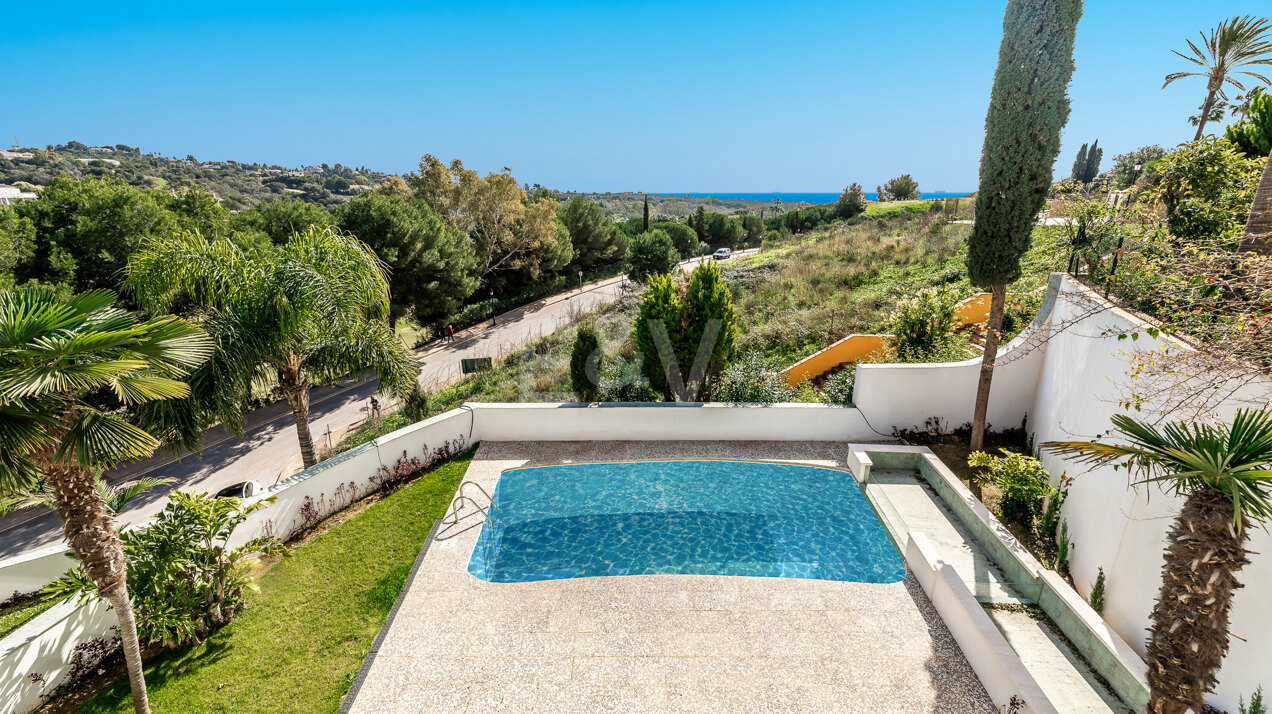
(722, 254)
(243, 489)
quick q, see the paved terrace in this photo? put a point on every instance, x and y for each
(689, 643)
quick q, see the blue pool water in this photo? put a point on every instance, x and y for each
(690, 517)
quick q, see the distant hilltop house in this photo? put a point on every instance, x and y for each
(16, 154)
(10, 195)
(112, 162)
(107, 149)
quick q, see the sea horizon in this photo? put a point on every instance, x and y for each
(793, 196)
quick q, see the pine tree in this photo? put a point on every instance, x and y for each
(1028, 107)
(700, 223)
(1079, 165)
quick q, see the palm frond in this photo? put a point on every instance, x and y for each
(96, 438)
(1184, 457)
(61, 378)
(118, 496)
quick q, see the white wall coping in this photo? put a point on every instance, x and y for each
(1050, 582)
(996, 664)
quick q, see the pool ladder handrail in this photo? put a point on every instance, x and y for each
(458, 504)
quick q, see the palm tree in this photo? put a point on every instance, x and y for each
(291, 316)
(1258, 229)
(1235, 43)
(53, 352)
(1225, 475)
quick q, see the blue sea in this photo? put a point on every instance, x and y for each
(814, 198)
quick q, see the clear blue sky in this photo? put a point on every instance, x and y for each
(647, 96)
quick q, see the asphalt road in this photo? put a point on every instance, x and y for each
(269, 450)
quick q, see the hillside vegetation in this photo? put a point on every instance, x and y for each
(793, 298)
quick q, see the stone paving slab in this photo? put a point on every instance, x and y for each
(660, 643)
(922, 510)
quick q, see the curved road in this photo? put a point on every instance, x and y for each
(269, 449)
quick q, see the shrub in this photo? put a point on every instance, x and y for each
(415, 406)
(1207, 187)
(586, 360)
(1051, 514)
(183, 578)
(838, 387)
(922, 325)
(687, 312)
(1063, 546)
(749, 380)
(1256, 705)
(1023, 481)
(1096, 599)
(1253, 134)
(649, 254)
(625, 383)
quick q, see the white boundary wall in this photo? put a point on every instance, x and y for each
(1122, 528)
(669, 421)
(904, 396)
(1066, 373)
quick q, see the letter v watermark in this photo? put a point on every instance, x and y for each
(685, 391)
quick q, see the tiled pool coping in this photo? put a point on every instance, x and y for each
(659, 643)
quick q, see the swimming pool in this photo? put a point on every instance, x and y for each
(688, 517)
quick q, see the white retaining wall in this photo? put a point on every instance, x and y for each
(1119, 527)
(906, 395)
(672, 421)
(31, 571)
(44, 646)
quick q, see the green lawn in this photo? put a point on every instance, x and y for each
(300, 643)
(894, 208)
(16, 617)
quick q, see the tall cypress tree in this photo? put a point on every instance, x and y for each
(1079, 165)
(646, 229)
(1093, 158)
(1028, 107)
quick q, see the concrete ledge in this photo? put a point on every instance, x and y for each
(1107, 653)
(996, 664)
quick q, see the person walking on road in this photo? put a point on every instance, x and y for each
(450, 333)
